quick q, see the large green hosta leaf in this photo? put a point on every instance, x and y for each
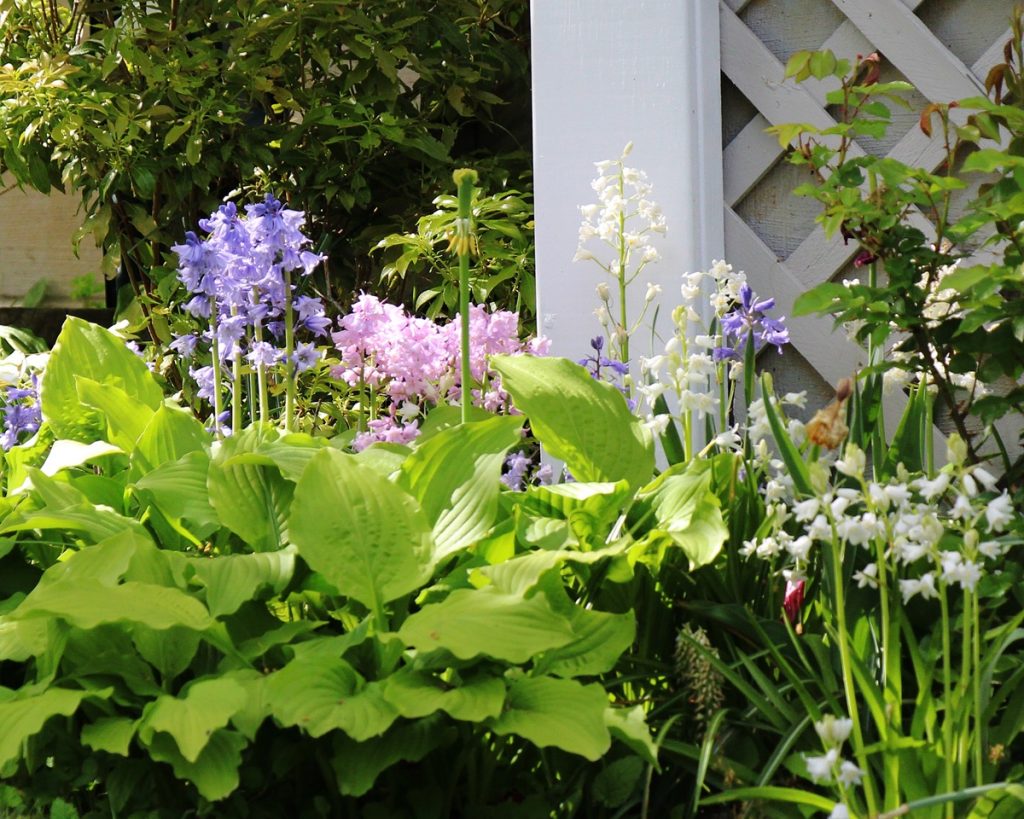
(358, 764)
(679, 508)
(455, 477)
(170, 434)
(590, 508)
(88, 603)
(629, 727)
(89, 351)
(601, 638)
(106, 561)
(207, 706)
(487, 622)
(24, 717)
(231, 580)
(365, 535)
(96, 522)
(290, 453)
(251, 500)
(562, 713)
(179, 490)
(578, 419)
(111, 734)
(321, 694)
(520, 575)
(69, 454)
(417, 694)
(214, 772)
(126, 416)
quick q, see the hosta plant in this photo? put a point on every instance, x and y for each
(277, 622)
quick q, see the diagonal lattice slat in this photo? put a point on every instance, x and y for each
(890, 26)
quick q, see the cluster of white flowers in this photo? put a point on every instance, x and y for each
(616, 234)
(624, 219)
(939, 302)
(895, 378)
(931, 532)
(831, 767)
(686, 366)
(759, 430)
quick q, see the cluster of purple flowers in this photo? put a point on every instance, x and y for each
(748, 320)
(518, 469)
(21, 414)
(239, 278)
(602, 368)
(406, 360)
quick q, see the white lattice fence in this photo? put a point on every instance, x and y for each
(914, 39)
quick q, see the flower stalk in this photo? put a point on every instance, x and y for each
(462, 243)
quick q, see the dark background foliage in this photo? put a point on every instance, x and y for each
(354, 112)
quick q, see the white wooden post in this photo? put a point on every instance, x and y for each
(606, 73)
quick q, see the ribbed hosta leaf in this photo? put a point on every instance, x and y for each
(455, 477)
(321, 694)
(559, 713)
(89, 351)
(251, 500)
(579, 420)
(365, 535)
(24, 717)
(191, 720)
(417, 694)
(487, 622)
(88, 603)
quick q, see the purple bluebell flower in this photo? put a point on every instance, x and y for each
(306, 306)
(262, 354)
(306, 355)
(21, 415)
(185, 345)
(748, 319)
(199, 306)
(238, 278)
(516, 466)
(204, 378)
(317, 325)
(596, 362)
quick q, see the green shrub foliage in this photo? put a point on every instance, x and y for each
(154, 111)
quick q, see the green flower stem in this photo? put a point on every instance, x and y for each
(687, 413)
(464, 179)
(467, 372)
(929, 428)
(215, 352)
(979, 773)
(890, 677)
(236, 385)
(261, 379)
(289, 348)
(848, 684)
(623, 258)
(947, 697)
(964, 689)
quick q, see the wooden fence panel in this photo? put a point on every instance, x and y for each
(35, 244)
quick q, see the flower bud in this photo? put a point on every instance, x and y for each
(603, 293)
(956, 450)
